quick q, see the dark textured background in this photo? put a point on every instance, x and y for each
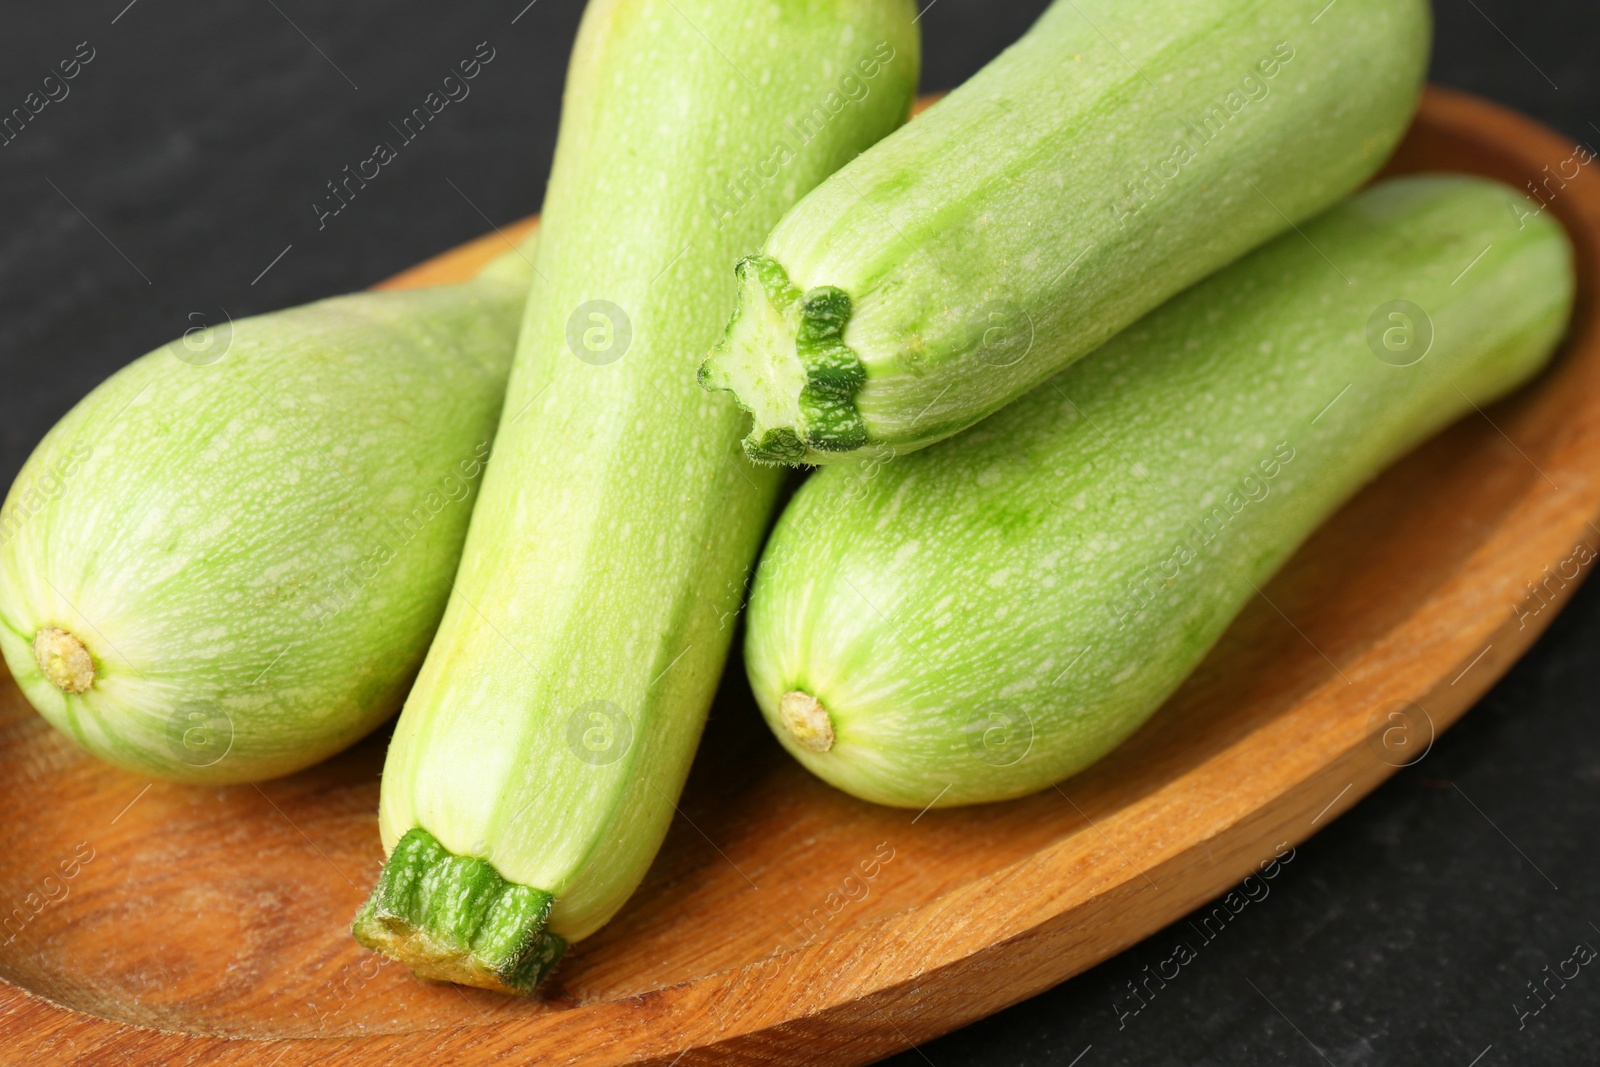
(187, 157)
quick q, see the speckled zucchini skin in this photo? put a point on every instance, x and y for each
(248, 535)
(1115, 155)
(982, 618)
(552, 726)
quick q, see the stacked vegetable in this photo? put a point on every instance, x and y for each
(1064, 191)
(232, 558)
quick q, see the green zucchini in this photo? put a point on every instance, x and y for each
(1116, 154)
(985, 617)
(227, 561)
(537, 762)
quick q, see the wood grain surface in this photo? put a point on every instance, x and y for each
(784, 922)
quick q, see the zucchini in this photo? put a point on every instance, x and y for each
(978, 620)
(227, 561)
(536, 764)
(1116, 154)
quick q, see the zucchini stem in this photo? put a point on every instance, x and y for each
(803, 403)
(456, 919)
(64, 660)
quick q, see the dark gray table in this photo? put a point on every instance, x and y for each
(178, 176)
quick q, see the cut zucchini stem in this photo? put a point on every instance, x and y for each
(455, 919)
(802, 403)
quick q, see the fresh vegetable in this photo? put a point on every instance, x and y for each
(1116, 154)
(535, 768)
(985, 617)
(226, 562)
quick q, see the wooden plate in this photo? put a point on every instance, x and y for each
(785, 922)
